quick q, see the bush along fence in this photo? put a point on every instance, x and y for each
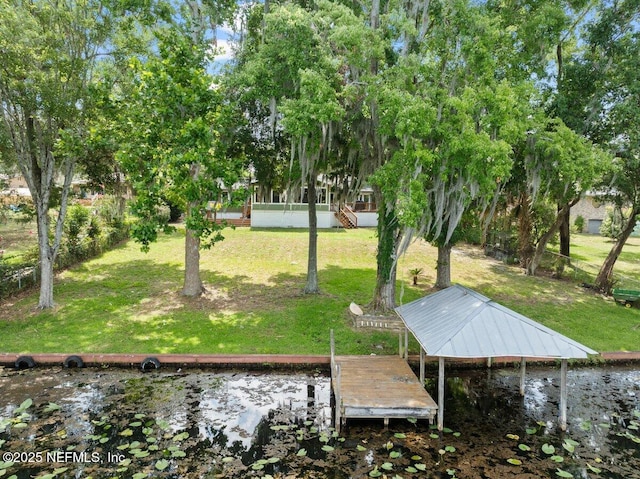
(88, 233)
(14, 277)
(581, 271)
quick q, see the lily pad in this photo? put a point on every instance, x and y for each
(594, 469)
(568, 446)
(51, 407)
(181, 437)
(548, 449)
(562, 473)
(162, 464)
(26, 404)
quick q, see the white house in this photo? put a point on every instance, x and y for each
(289, 209)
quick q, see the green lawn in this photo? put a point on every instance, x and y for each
(17, 237)
(590, 251)
(127, 301)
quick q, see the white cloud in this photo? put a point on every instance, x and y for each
(224, 50)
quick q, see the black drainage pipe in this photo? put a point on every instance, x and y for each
(25, 362)
(149, 364)
(73, 362)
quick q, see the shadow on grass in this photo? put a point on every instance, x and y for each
(300, 231)
(137, 306)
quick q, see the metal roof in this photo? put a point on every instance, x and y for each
(458, 322)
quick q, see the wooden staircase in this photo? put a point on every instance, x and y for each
(239, 222)
(347, 217)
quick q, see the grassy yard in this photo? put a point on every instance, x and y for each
(17, 237)
(128, 301)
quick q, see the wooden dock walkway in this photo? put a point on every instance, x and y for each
(378, 387)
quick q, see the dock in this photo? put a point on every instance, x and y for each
(378, 387)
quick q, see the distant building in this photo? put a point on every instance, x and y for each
(593, 210)
(267, 208)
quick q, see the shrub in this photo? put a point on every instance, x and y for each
(613, 223)
(111, 210)
(579, 224)
(86, 235)
(74, 226)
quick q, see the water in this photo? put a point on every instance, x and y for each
(105, 423)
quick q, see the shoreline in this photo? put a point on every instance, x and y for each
(274, 361)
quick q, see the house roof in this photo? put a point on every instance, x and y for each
(458, 322)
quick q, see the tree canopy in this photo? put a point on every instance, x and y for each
(171, 143)
(49, 86)
(440, 106)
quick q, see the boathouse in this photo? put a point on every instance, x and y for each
(458, 322)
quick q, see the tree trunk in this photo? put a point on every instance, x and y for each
(525, 247)
(47, 261)
(443, 269)
(544, 239)
(603, 280)
(192, 281)
(565, 238)
(389, 236)
(312, 260)
(38, 166)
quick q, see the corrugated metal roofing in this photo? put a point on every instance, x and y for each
(458, 322)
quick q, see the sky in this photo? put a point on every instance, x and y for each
(227, 36)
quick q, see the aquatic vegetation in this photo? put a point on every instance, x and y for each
(288, 433)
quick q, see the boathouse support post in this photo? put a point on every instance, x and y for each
(422, 366)
(406, 344)
(523, 370)
(338, 399)
(335, 380)
(563, 394)
(332, 344)
(440, 393)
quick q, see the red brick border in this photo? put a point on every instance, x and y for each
(272, 360)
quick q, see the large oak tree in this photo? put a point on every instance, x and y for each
(171, 146)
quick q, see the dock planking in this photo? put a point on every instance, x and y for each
(378, 387)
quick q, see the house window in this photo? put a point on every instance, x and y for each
(275, 196)
(322, 196)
